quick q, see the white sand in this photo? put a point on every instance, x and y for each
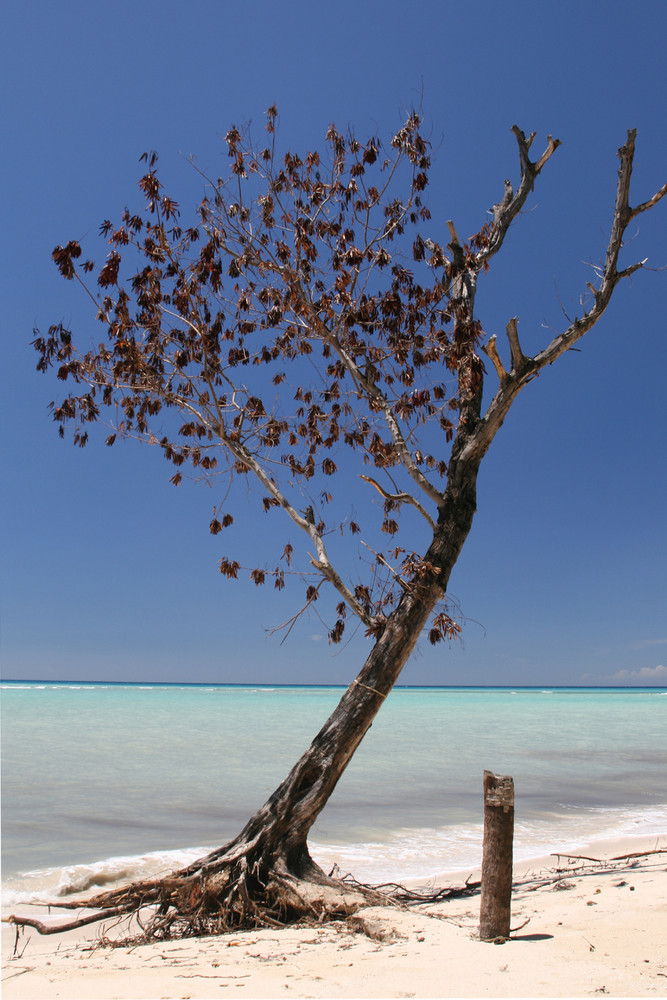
(600, 929)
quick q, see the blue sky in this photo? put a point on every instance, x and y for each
(111, 573)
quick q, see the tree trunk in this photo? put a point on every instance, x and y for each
(275, 839)
(265, 875)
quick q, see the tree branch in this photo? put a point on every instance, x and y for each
(291, 622)
(644, 207)
(380, 558)
(491, 351)
(401, 498)
(518, 357)
(610, 276)
(376, 396)
(321, 563)
(525, 368)
(508, 209)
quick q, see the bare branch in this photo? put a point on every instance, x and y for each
(322, 562)
(508, 209)
(518, 358)
(610, 275)
(401, 498)
(644, 207)
(380, 558)
(502, 206)
(524, 368)
(291, 622)
(453, 234)
(491, 351)
(380, 400)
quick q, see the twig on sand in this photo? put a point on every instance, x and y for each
(19, 972)
(639, 854)
(602, 861)
(202, 975)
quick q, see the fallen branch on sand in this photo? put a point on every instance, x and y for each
(602, 861)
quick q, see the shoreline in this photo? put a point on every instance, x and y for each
(415, 852)
(582, 927)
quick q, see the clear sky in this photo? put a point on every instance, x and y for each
(109, 572)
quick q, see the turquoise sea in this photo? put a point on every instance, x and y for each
(107, 781)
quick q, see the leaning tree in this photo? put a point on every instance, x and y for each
(306, 329)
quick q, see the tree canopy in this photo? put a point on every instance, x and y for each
(306, 324)
(305, 330)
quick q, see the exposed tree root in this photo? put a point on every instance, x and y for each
(227, 891)
(217, 895)
(395, 894)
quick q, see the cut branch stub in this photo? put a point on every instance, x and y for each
(491, 351)
(518, 357)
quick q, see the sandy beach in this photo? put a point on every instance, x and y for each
(580, 928)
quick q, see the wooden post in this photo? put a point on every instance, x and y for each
(494, 917)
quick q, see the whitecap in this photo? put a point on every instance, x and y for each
(72, 880)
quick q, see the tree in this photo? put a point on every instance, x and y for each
(303, 330)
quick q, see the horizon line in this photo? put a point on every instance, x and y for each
(341, 685)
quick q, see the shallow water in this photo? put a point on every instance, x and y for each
(102, 778)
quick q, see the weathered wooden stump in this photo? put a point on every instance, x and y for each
(495, 907)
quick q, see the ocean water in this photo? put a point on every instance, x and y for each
(102, 782)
